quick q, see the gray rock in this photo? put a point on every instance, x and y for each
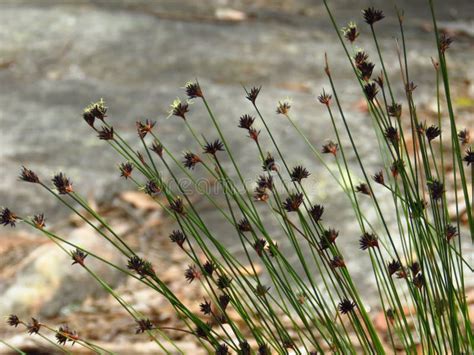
(49, 282)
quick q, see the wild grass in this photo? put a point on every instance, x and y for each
(311, 305)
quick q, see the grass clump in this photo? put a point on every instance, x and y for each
(417, 263)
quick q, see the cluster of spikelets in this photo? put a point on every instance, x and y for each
(429, 263)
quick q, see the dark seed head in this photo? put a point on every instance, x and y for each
(364, 189)
(222, 349)
(99, 110)
(368, 240)
(177, 206)
(126, 170)
(177, 237)
(253, 94)
(378, 178)
(151, 188)
(402, 274)
(393, 267)
(283, 107)
(328, 237)
(192, 273)
(444, 42)
(288, 343)
(432, 132)
(261, 290)
(370, 91)
(366, 69)
(244, 348)
(293, 202)
(451, 232)
(360, 57)
(410, 87)
(246, 121)
(144, 128)
(141, 158)
(316, 212)
(436, 189)
(265, 182)
(180, 109)
(65, 334)
(419, 280)
(324, 98)
(106, 133)
(95, 110)
(390, 314)
(330, 148)
(260, 194)
(223, 281)
(346, 306)
(33, 327)
(78, 257)
(371, 15)
(469, 157)
(244, 225)
(269, 163)
(391, 133)
(140, 266)
(350, 32)
(395, 110)
(209, 267)
(263, 349)
(29, 176)
(396, 167)
(415, 268)
(13, 320)
(464, 136)
(39, 221)
(7, 217)
(337, 262)
(259, 246)
(143, 325)
(379, 80)
(253, 134)
(62, 184)
(89, 118)
(205, 307)
(157, 148)
(224, 301)
(213, 147)
(299, 173)
(193, 90)
(191, 160)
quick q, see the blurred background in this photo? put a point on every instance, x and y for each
(58, 56)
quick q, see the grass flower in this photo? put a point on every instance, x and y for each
(29, 176)
(350, 32)
(371, 15)
(62, 184)
(346, 306)
(299, 173)
(106, 133)
(193, 90)
(7, 217)
(253, 94)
